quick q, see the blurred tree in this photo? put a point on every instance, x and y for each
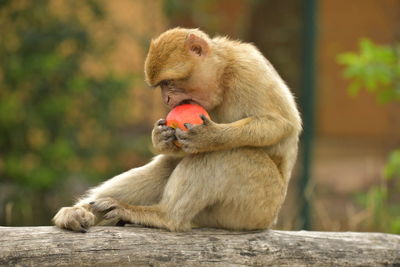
(377, 69)
(226, 17)
(56, 120)
(278, 30)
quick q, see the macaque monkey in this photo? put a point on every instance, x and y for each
(230, 172)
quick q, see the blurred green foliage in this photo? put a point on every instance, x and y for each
(381, 201)
(376, 68)
(56, 121)
(392, 168)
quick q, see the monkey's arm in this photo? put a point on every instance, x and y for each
(139, 186)
(252, 131)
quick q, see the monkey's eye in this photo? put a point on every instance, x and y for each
(165, 83)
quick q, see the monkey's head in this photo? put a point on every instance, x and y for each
(183, 64)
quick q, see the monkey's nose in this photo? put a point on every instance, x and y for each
(166, 99)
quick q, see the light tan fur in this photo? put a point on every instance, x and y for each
(230, 172)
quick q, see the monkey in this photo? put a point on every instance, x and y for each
(230, 172)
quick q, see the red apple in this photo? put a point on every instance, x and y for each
(186, 113)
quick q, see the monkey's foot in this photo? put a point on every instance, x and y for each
(74, 218)
(112, 209)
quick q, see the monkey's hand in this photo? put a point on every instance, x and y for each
(112, 209)
(199, 138)
(77, 218)
(163, 138)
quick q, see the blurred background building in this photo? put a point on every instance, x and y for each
(74, 108)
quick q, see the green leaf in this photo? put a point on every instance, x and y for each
(392, 167)
(375, 68)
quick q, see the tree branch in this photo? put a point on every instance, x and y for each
(137, 246)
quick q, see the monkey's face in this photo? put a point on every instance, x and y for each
(181, 63)
(194, 88)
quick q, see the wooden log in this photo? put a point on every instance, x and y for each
(137, 246)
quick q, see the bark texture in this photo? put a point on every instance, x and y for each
(136, 246)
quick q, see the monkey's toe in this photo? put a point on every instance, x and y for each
(104, 204)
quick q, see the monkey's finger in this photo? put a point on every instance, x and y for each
(161, 122)
(74, 225)
(206, 121)
(104, 204)
(188, 126)
(181, 135)
(84, 223)
(162, 128)
(84, 228)
(109, 215)
(88, 220)
(85, 218)
(167, 133)
(112, 214)
(110, 209)
(171, 139)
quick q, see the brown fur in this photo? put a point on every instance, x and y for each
(231, 172)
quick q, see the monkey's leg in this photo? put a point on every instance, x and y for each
(252, 191)
(240, 189)
(190, 188)
(139, 186)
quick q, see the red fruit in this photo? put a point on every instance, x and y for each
(186, 113)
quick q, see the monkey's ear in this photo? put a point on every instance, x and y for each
(197, 45)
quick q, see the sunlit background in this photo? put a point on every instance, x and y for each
(75, 111)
